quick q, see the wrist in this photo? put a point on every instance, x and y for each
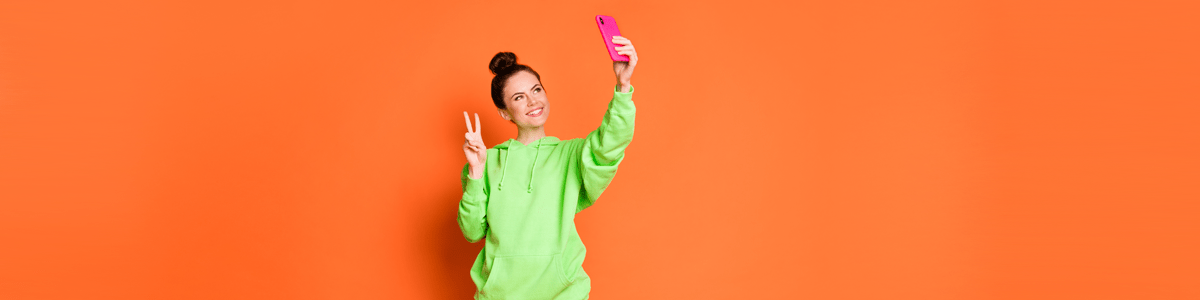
(623, 86)
(475, 172)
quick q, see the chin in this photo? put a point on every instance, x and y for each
(536, 123)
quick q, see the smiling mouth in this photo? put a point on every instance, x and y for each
(534, 113)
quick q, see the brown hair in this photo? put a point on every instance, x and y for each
(505, 65)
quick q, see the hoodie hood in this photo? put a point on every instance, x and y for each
(546, 141)
(504, 147)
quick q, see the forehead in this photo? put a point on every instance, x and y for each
(520, 82)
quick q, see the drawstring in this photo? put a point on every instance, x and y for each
(534, 168)
(504, 168)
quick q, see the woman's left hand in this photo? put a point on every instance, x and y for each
(624, 69)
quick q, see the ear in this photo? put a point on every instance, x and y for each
(503, 114)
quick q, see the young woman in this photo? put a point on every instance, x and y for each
(522, 195)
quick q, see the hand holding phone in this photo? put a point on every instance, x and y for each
(608, 29)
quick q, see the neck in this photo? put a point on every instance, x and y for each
(528, 135)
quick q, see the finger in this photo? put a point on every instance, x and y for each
(477, 123)
(468, 118)
(619, 38)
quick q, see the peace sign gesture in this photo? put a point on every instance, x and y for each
(474, 148)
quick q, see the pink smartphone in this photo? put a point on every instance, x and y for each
(608, 29)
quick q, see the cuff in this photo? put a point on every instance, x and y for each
(471, 184)
(617, 89)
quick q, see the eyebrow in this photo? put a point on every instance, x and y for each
(514, 95)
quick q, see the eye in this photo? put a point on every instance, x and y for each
(537, 90)
(519, 98)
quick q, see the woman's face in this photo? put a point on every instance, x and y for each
(526, 101)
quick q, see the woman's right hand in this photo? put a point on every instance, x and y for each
(474, 148)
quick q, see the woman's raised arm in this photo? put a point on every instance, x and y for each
(472, 209)
(624, 69)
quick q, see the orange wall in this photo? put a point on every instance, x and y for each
(819, 150)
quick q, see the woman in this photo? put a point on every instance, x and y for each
(522, 195)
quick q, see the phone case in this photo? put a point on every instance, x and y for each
(608, 29)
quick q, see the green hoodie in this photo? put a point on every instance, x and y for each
(525, 205)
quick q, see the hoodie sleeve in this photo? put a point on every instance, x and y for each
(472, 209)
(604, 148)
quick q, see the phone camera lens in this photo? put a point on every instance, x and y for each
(601, 21)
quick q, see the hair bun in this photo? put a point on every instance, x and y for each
(501, 61)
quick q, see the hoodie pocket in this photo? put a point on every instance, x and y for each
(525, 277)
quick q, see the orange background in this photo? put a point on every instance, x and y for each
(814, 150)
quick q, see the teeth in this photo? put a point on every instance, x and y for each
(534, 112)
